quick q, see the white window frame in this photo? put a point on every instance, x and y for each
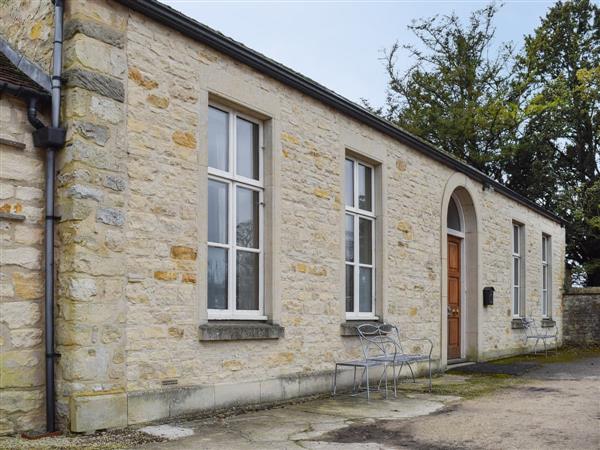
(358, 214)
(458, 233)
(546, 275)
(233, 181)
(517, 259)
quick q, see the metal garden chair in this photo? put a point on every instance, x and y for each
(381, 346)
(379, 350)
(407, 358)
(533, 332)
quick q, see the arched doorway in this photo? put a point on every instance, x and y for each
(460, 278)
(456, 283)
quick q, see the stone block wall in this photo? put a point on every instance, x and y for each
(21, 272)
(132, 235)
(581, 316)
(92, 198)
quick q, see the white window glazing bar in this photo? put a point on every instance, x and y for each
(233, 181)
(357, 214)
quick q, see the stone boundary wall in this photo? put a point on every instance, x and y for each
(581, 316)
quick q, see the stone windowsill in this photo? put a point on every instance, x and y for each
(349, 328)
(548, 322)
(237, 330)
(517, 324)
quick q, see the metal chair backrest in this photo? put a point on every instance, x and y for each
(531, 328)
(394, 332)
(377, 343)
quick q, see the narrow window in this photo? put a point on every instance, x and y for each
(360, 239)
(546, 275)
(517, 270)
(235, 216)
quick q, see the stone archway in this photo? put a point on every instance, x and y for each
(463, 193)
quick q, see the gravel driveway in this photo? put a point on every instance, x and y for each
(554, 407)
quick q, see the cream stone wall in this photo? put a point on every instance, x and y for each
(132, 235)
(308, 151)
(21, 272)
(28, 26)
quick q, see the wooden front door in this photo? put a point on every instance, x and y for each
(454, 300)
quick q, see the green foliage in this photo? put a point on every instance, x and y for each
(558, 76)
(455, 95)
(530, 120)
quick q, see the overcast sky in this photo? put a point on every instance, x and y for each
(339, 43)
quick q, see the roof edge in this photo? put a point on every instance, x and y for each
(32, 70)
(206, 35)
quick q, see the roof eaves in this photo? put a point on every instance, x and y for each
(32, 70)
(178, 21)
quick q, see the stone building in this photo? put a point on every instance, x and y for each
(223, 222)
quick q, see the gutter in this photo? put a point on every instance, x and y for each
(22, 92)
(33, 71)
(206, 35)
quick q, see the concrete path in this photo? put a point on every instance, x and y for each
(554, 407)
(302, 425)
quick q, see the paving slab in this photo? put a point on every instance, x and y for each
(302, 424)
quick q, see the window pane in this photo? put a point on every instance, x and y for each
(544, 277)
(349, 238)
(544, 248)
(545, 303)
(349, 182)
(247, 218)
(516, 271)
(217, 212)
(453, 221)
(364, 188)
(516, 239)
(365, 231)
(349, 288)
(365, 296)
(516, 300)
(218, 139)
(247, 149)
(217, 278)
(246, 292)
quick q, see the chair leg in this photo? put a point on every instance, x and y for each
(362, 376)
(335, 380)
(385, 369)
(400, 370)
(545, 348)
(535, 346)
(411, 372)
(429, 374)
(354, 381)
(395, 381)
(367, 370)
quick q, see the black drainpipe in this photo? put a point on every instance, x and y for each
(49, 229)
(51, 138)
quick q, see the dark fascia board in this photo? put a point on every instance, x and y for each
(206, 35)
(29, 68)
